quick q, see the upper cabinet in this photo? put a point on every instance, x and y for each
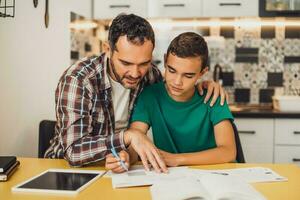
(230, 8)
(108, 9)
(82, 8)
(175, 8)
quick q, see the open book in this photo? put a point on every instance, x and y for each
(208, 187)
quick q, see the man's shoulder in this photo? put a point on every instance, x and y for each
(86, 68)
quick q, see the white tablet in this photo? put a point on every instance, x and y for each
(59, 181)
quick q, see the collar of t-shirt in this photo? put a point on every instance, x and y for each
(120, 99)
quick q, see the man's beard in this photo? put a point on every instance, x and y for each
(120, 79)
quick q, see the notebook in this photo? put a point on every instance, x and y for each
(6, 162)
(208, 187)
(5, 175)
(138, 176)
(249, 174)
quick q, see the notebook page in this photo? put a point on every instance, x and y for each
(140, 177)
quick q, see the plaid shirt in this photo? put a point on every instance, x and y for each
(85, 128)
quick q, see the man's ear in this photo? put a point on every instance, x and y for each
(106, 48)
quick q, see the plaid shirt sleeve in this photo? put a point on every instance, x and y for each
(73, 106)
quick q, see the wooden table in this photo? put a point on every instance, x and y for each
(102, 188)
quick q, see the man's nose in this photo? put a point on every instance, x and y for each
(135, 72)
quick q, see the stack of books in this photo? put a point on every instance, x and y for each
(8, 165)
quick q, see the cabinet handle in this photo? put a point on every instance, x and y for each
(296, 159)
(247, 132)
(230, 4)
(296, 132)
(174, 5)
(119, 6)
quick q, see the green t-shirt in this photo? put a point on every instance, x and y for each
(179, 127)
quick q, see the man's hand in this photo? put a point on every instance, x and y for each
(215, 89)
(145, 149)
(114, 164)
(171, 160)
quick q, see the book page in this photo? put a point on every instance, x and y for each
(181, 189)
(229, 187)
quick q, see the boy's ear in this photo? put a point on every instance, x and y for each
(204, 71)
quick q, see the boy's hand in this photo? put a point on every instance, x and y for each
(170, 159)
(214, 89)
(113, 164)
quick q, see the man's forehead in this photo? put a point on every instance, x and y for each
(134, 53)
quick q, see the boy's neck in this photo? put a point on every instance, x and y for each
(183, 98)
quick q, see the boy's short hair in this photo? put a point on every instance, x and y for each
(189, 44)
(136, 28)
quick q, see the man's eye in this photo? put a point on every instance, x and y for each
(144, 64)
(125, 63)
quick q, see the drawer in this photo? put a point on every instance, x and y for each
(287, 131)
(175, 8)
(257, 139)
(230, 8)
(287, 154)
(108, 9)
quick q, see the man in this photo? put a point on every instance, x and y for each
(95, 97)
(185, 129)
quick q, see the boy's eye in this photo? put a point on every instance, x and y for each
(171, 70)
(189, 76)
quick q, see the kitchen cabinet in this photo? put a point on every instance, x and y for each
(257, 139)
(230, 8)
(287, 141)
(175, 8)
(287, 154)
(108, 9)
(82, 8)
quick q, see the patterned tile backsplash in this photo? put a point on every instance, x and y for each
(256, 62)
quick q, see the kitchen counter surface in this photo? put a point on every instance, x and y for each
(261, 112)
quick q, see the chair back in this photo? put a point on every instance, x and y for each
(46, 133)
(239, 150)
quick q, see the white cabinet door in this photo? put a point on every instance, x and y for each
(175, 8)
(287, 131)
(256, 137)
(109, 9)
(230, 8)
(287, 154)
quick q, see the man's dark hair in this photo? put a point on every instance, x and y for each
(137, 30)
(189, 44)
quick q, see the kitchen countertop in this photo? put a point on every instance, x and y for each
(261, 112)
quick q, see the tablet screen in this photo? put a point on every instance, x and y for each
(59, 181)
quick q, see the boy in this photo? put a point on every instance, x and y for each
(186, 131)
